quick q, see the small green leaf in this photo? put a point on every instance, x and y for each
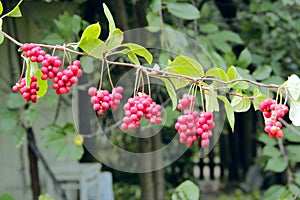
(226, 36)
(110, 18)
(8, 120)
(271, 151)
(234, 75)
(185, 66)
(276, 164)
(274, 192)
(218, 73)
(289, 135)
(90, 43)
(1, 9)
(297, 178)
(293, 86)
(244, 59)
(186, 191)
(140, 51)
(45, 197)
(240, 104)
(294, 112)
(171, 91)
(92, 31)
(15, 100)
(87, 64)
(209, 28)
(16, 12)
(230, 58)
(183, 10)
(294, 189)
(27, 74)
(211, 99)
(171, 116)
(6, 196)
(229, 111)
(264, 138)
(33, 68)
(133, 58)
(43, 84)
(258, 97)
(115, 39)
(262, 72)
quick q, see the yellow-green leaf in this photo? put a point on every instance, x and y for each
(140, 51)
(240, 104)
(171, 92)
(115, 39)
(16, 12)
(1, 38)
(110, 18)
(43, 84)
(1, 8)
(218, 73)
(229, 111)
(92, 31)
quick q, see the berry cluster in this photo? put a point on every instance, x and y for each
(102, 99)
(66, 78)
(35, 53)
(137, 107)
(186, 101)
(50, 66)
(273, 111)
(191, 126)
(29, 93)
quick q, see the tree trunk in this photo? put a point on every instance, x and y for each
(33, 165)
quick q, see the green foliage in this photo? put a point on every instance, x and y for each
(211, 99)
(186, 191)
(1, 8)
(115, 39)
(294, 112)
(45, 197)
(61, 141)
(8, 120)
(218, 73)
(110, 18)
(244, 59)
(183, 10)
(274, 192)
(43, 84)
(6, 196)
(262, 72)
(258, 97)
(293, 86)
(240, 103)
(171, 91)
(229, 111)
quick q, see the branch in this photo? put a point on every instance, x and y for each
(290, 126)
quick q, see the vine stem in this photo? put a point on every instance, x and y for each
(108, 73)
(151, 72)
(101, 75)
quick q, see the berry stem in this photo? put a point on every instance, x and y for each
(136, 82)
(201, 95)
(149, 87)
(101, 75)
(23, 69)
(108, 73)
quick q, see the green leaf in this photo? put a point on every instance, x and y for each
(229, 111)
(171, 116)
(33, 68)
(293, 149)
(87, 64)
(218, 73)
(211, 98)
(115, 39)
(133, 57)
(293, 86)
(171, 91)
(186, 191)
(297, 178)
(111, 22)
(9, 119)
(294, 112)
(274, 192)
(240, 104)
(221, 45)
(271, 151)
(259, 97)
(264, 138)
(183, 10)
(226, 36)
(27, 74)
(1, 8)
(262, 72)
(276, 164)
(244, 59)
(89, 41)
(140, 51)
(19, 135)
(45, 197)
(43, 84)
(15, 100)
(230, 58)
(16, 12)
(61, 141)
(185, 66)
(294, 189)
(289, 135)
(234, 75)
(209, 28)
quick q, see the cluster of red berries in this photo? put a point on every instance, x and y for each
(137, 107)
(35, 53)
(191, 126)
(66, 78)
(50, 66)
(273, 111)
(102, 99)
(29, 93)
(50, 69)
(186, 101)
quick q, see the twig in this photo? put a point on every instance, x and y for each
(289, 126)
(289, 171)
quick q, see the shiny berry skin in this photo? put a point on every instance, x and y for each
(28, 93)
